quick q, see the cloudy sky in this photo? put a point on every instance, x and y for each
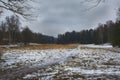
(58, 16)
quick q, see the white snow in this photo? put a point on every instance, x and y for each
(9, 46)
(97, 72)
(81, 61)
(99, 46)
(35, 57)
(29, 76)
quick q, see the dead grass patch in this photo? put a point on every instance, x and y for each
(74, 64)
(46, 46)
(85, 47)
(1, 53)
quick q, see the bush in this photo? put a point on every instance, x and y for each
(1, 56)
(116, 35)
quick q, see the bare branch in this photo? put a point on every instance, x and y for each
(96, 4)
(16, 6)
(20, 7)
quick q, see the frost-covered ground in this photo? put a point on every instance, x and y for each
(62, 64)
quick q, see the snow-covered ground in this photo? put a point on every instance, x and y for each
(98, 46)
(34, 57)
(59, 64)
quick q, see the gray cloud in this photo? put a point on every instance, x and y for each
(59, 16)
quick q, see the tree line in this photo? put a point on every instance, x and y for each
(100, 35)
(104, 33)
(11, 33)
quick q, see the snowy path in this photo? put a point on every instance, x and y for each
(58, 64)
(35, 57)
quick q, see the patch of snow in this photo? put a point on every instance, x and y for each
(96, 72)
(28, 76)
(99, 46)
(34, 44)
(35, 57)
(81, 61)
(9, 46)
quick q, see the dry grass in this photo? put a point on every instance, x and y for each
(107, 49)
(85, 47)
(1, 53)
(2, 50)
(46, 46)
(93, 48)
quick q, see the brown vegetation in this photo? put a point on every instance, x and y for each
(47, 46)
(85, 47)
(1, 52)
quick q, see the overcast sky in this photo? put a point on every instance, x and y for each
(58, 16)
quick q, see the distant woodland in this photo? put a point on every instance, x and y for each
(11, 33)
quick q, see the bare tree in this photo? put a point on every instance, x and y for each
(94, 3)
(13, 27)
(19, 7)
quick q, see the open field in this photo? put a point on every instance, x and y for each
(47, 46)
(39, 46)
(60, 62)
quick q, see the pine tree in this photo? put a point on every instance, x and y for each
(116, 34)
